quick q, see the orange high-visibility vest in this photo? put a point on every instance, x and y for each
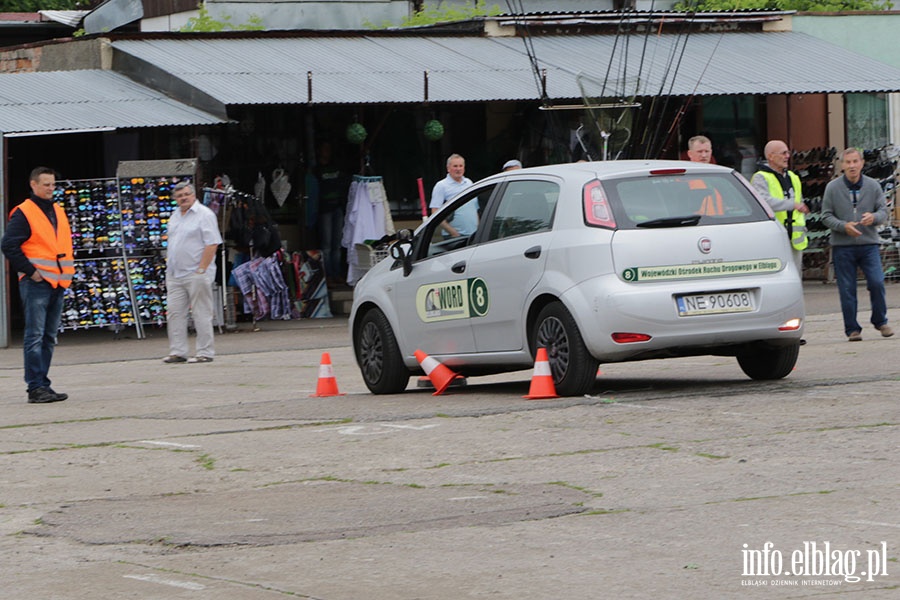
(49, 251)
(712, 204)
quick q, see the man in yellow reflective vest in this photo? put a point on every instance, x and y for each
(780, 187)
(38, 244)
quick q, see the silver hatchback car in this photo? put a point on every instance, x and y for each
(597, 262)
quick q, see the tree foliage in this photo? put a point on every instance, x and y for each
(205, 22)
(429, 15)
(798, 5)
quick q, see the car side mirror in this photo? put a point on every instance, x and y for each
(402, 250)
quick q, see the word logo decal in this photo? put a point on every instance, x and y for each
(450, 300)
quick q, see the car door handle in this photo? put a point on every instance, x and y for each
(459, 267)
(533, 252)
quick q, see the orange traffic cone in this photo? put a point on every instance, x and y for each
(327, 384)
(440, 375)
(542, 380)
(424, 382)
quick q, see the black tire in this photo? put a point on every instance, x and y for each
(769, 362)
(574, 369)
(378, 355)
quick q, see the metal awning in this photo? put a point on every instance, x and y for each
(88, 100)
(362, 68)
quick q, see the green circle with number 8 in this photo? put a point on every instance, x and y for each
(478, 297)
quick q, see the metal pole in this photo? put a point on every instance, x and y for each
(4, 282)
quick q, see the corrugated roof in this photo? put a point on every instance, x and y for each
(358, 69)
(72, 18)
(717, 63)
(384, 69)
(89, 99)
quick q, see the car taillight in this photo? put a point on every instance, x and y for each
(791, 325)
(621, 337)
(657, 172)
(596, 207)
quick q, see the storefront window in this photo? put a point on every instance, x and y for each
(867, 120)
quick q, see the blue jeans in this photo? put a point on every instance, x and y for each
(331, 230)
(846, 260)
(43, 306)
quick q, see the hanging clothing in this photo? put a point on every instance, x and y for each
(368, 218)
(264, 289)
(312, 298)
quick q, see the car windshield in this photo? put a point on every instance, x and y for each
(681, 200)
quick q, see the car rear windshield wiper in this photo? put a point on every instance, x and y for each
(688, 221)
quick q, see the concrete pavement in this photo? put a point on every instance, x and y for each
(227, 480)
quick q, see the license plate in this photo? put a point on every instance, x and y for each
(716, 303)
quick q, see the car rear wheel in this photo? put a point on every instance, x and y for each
(573, 368)
(769, 362)
(378, 355)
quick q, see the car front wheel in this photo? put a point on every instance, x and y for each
(769, 362)
(573, 368)
(378, 355)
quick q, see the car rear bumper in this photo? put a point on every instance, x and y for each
(606, 305)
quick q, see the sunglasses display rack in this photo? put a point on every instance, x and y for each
(147, 204)
(119, 234)
(100, 293)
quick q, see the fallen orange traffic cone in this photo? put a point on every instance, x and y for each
(542, 380)
(327, 384)
(424, 382)
(440, 375)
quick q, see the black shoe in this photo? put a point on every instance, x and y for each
(59, 397)
(43, 395)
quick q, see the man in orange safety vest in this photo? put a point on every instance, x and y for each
(38, 244)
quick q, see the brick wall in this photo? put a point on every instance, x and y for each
(68, 55)
(20, 60)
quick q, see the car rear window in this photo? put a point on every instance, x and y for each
(716, 198)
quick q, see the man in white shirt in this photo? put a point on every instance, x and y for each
(190, 271)
(465, 220)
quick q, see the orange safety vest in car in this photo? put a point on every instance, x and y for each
(49, 251)
(712, 204)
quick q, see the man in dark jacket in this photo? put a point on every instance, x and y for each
(333, 187)
(38, 244)
(852, 208)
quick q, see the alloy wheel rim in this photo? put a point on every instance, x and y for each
(552, 336)
(371, 354)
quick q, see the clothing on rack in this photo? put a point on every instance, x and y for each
(263, 287)
(312, 293)
(284, 286)
(250, 226)
(368, 218)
